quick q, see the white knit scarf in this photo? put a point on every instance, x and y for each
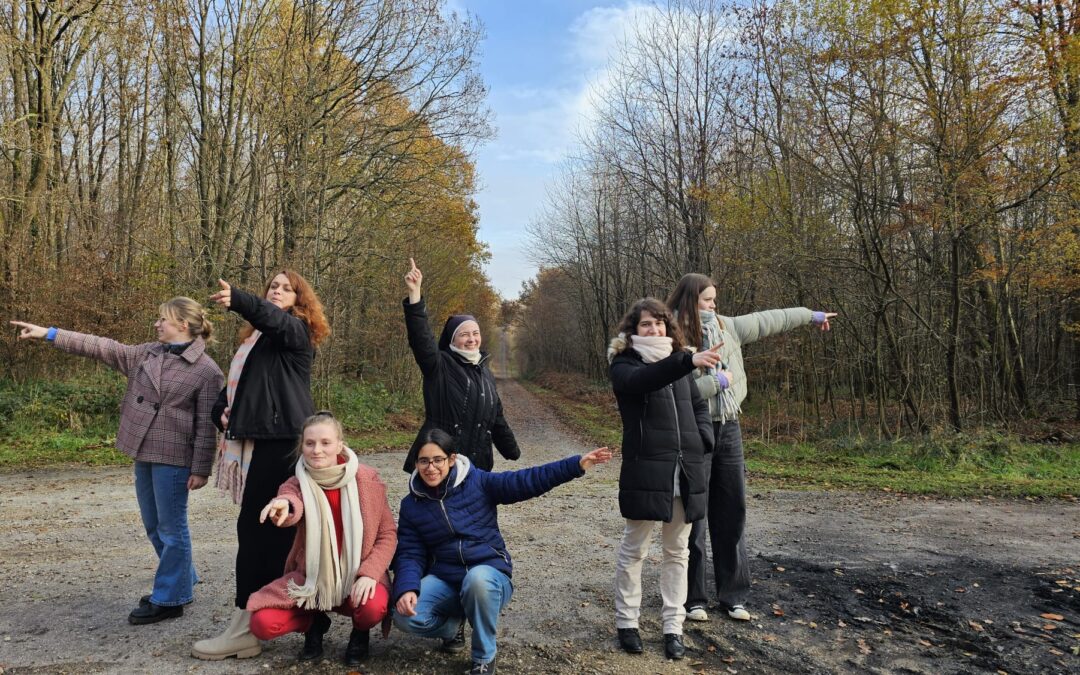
(651, 347)
(330, 572)
(470, 355)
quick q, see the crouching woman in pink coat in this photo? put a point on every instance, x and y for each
(344, 544)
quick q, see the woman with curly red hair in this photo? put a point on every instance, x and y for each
(261, 412)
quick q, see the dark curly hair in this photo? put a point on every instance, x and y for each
(628, 325)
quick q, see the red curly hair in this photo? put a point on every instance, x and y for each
(308, 307)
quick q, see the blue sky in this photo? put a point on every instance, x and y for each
(539, 60)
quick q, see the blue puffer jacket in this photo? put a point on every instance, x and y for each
(446, 531)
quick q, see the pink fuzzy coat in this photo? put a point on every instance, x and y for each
(376, 551)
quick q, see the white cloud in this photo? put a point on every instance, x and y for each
(598, 31)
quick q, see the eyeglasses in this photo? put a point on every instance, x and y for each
(425, 462)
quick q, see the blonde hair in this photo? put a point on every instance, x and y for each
(181, 309)
(321, 417)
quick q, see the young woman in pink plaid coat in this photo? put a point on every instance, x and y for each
(165, 427)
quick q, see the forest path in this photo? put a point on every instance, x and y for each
(843, 582)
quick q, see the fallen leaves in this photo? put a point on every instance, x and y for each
(863, 647)
(976, 626)
(1052, 617)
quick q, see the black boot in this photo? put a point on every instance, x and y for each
(313, 638)
(357, 650)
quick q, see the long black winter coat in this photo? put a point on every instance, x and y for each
(273, 397)
(459, 398)
(666, 427)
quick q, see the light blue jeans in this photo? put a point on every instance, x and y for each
(441, 607)
(163, 498)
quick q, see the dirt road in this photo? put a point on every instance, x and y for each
(843, 582)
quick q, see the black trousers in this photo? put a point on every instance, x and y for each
(263, 547)
(725, 525)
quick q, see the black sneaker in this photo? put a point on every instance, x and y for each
(630, 641)
(455, 644)
(151, 613)
(313, 648)
(483, 668)
(673, 646)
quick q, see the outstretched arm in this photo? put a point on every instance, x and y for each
(508, 487)
(124, 358)
(758, 325)
(265, 316)
(631, 378)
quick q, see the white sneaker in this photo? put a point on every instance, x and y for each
(697, 614)
(739, 613)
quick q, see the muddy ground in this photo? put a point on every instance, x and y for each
(843, 582)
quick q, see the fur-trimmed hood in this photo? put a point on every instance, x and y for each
(618, 345)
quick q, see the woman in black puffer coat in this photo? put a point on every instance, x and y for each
(666, 433)
(459, 388)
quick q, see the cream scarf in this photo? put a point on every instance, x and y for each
(330, 573)
(651, 347)
(470, 355)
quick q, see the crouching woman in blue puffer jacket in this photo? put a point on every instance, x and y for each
(451, 564)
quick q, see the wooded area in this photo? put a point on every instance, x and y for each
(910, 164)
(148, 147)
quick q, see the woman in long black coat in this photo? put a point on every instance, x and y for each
(666, 434)
(261, 412)
(459, 388)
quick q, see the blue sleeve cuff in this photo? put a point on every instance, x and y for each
(51, 335)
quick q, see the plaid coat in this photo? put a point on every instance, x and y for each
(165, 414)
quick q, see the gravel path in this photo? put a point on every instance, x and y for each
(843, 582)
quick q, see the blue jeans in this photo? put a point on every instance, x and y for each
(163, 498)
(441, 607)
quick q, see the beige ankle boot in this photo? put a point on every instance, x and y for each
(236, 640)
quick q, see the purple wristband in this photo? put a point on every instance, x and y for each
(722, 379)
(818, 318)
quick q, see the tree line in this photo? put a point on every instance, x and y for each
(910, 164)
(149, 147)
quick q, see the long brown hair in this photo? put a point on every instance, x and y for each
(628, 325)
(684, 302)
(307, 308)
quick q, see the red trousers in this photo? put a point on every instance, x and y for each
(270, 622)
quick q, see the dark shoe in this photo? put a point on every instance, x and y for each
(673, 646)
(630, 641)
(151, 613)
(455, 644)
(144, 600)
(357, 650)
(483, 668)
(313, 638)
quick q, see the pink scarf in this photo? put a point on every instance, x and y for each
(234, 456)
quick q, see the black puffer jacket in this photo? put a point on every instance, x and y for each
(459, 398)
(273, 397)
(666, 426)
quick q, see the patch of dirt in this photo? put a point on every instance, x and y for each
(843, 582)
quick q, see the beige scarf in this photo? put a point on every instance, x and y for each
(652, 348)
(330, 572)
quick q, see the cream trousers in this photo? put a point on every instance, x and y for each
(634, 547)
